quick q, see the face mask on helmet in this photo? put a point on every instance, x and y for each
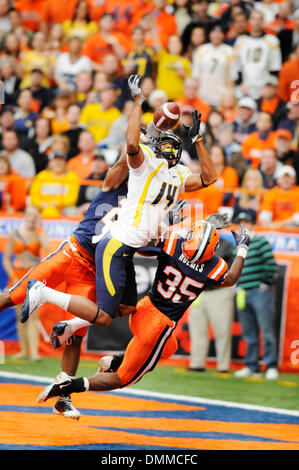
(201, 242)
(172, 153)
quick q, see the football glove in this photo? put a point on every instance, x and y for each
(219, 220)
(133, 82)
(243, 238)
(194, 130)
(175, 214)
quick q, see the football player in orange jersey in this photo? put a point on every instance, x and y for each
(186, 264)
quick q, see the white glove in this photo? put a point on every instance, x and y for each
(133, 82)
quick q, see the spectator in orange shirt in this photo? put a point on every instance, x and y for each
(215, 196)
(87, 193)
(282, 20)
(259, 140)
(228, 105)
(270, 101)
(191, 98)
(57, 11)
(288, 78)
(165, 22)
(13, 189)
(82, 163)
(289, 38)
(124, 11)
(281, 203)
(30, 11)
(106, 41)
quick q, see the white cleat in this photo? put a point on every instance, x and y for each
(64, 407)
(33, 300)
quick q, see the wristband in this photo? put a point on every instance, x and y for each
(199, 139)
(242, 251)
(133, 154)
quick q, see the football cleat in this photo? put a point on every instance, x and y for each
(53, 390)
(201, 242)
(64, 406)
(33, 300)
(61, 332)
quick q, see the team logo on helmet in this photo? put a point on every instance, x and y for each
(201, 242)
(173, 153)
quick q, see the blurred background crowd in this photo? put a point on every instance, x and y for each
(64, 67)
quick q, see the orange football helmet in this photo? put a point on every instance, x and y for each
(201, 242)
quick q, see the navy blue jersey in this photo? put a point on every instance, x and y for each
(178, 282)
(102, 209)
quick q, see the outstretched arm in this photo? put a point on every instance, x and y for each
(208, 173)
(135, 154)
(242, 244)
(117, 174)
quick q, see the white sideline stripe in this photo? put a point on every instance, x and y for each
(168, 396)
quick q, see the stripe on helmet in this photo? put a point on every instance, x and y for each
(203, 244)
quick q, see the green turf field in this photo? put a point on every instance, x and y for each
(282, 393)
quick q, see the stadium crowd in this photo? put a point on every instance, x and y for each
(64, 67)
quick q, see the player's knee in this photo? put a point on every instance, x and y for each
(5, 301)
(126, 310)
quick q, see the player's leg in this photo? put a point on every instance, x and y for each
(151, 331)
(51, 270)
(63, 330)
(112, 259)
(5, 301)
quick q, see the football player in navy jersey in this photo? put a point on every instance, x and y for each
(74, 263)
(186, 265)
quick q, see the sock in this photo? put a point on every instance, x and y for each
(52, 296)
(77, 323)
(76, 386)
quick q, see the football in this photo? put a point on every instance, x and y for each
(166, 116)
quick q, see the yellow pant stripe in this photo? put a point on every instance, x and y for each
(137, 216)
(111, 248)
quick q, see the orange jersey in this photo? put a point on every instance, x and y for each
(197, 103)
(211, 197)
(165, 23)
(282, 204)
(58, 11)
(288, 78)
(253, 146)
(31, 12)
(96, 47)
(16, 190)
(124, 11)
(80, 166)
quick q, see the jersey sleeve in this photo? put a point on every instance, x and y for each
(148, 156)
(183, 172)
(218, 272)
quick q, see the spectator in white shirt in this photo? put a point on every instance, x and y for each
(70, 64)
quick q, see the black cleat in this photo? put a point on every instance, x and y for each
(53, 390)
